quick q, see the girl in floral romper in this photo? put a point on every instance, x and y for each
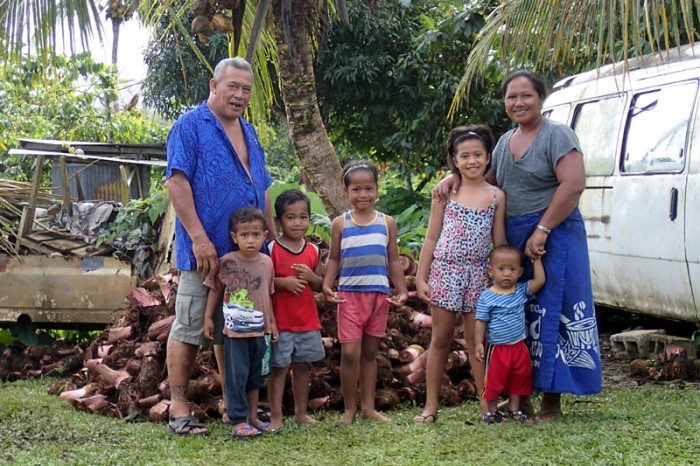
(453, 261)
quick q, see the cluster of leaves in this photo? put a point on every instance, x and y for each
(64, 98)
(280, 158)
(386, 81)
(28, 334)
(177, 80)
(137, 222)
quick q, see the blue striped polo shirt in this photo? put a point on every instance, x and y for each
(364, 265)
(504, 313)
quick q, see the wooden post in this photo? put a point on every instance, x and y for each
(125, 187)
(27, 220)
(164, 261)
(65, 187)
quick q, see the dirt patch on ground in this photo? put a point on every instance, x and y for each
(616, 372)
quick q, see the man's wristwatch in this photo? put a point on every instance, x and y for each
(546, 230)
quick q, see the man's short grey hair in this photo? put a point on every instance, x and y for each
(235, 62)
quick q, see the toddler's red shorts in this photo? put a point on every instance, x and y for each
(508, 369)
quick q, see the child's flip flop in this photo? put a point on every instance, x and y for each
(425, 418)
(265, 427)
(245, 431)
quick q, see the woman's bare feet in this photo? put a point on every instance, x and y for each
(550, 408)
(374, 415)
(306, 419)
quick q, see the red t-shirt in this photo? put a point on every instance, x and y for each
(294, 313)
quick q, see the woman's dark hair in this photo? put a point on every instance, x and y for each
(534, 78)
(356, 165)
(247, 215)
(463, 133)
(289, 197)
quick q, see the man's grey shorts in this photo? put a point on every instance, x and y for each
(190, 304)
(297, 347)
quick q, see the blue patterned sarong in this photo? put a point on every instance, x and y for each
(562, 328)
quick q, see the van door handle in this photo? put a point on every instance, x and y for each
(674, 204)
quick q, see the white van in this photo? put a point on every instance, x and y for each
(640, 135)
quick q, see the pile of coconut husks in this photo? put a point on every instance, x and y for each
(124, 372)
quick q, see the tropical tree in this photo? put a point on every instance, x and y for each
(118, 11)
(293, 24)
(177, 80)
(551, 36)
(33, 26)
(386, 82)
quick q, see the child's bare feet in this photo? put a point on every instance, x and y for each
(374, 415)
(347, 418)
(276, 422)
(306, 419)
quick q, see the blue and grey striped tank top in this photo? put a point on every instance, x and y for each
(364, 265)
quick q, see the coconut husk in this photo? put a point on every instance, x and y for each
(149, 376)
(120, 355)
(386, 399)
(679, 368)
(385, 374)
(160, 411)
(118, 334)
(410, 353)
(638, 367)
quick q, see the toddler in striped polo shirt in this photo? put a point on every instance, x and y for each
(500, 320)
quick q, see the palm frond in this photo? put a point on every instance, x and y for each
(33, 26)
(152, 11)
(543, 34)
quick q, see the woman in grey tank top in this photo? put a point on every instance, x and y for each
(539, 166)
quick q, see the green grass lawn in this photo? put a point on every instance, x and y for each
(646, 425)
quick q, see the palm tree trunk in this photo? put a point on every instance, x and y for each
(311, 143)
(116, 25)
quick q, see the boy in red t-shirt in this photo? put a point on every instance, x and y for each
(298, 271)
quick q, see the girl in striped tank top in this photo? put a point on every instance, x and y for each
(363, 256)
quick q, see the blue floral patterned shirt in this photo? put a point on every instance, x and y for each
(198, 147)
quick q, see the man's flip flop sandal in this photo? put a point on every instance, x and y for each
(185, 424)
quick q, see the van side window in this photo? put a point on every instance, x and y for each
(559, 114)
(596, 124)
(657, 126)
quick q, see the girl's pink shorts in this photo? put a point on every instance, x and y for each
(362, 313)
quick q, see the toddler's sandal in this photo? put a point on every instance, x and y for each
(491, 418)
(520, 417)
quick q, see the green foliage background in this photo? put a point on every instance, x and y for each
(65, 100)
(386, 81)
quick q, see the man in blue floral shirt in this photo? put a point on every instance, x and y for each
(215, 167)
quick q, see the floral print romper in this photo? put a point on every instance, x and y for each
(458, 271)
